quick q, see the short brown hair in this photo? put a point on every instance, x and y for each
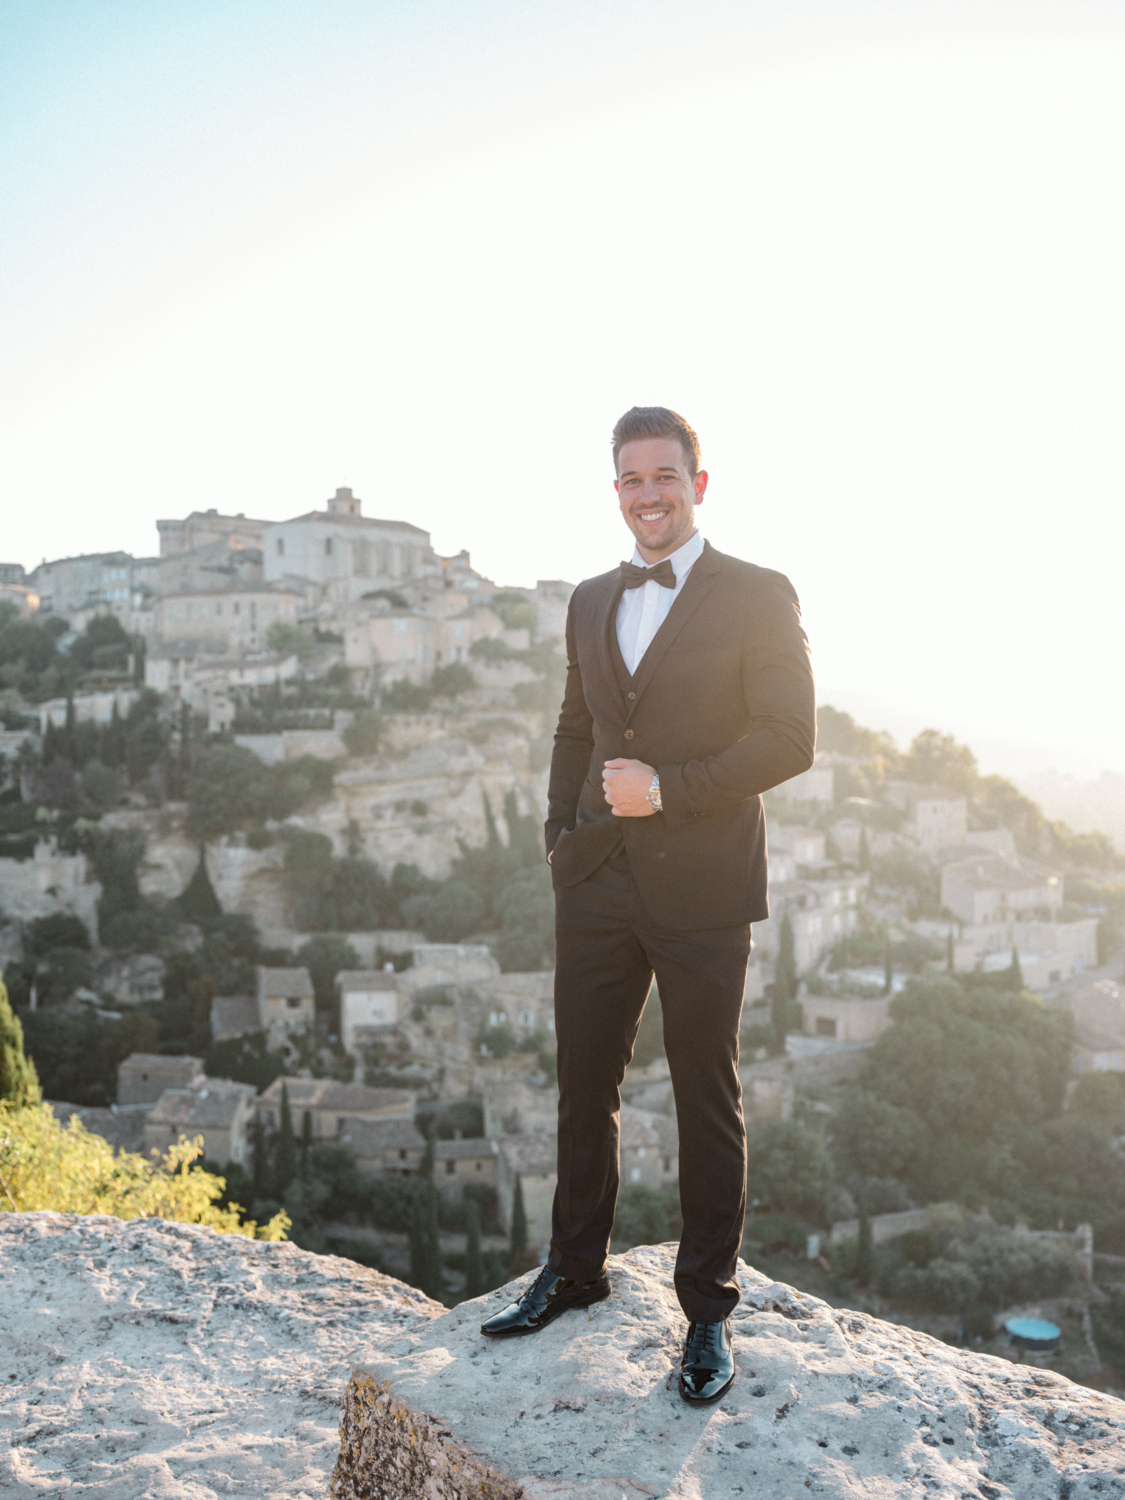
(654, 422)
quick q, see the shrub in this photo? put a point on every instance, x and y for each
(646, 1216)
(789, 1167)
(66, 1169)
(365, 734)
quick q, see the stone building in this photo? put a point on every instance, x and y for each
(336, 555)
(220, 1111)
(286, 1002)
(457, 1163)
(385, 1147)
(116, 583)
(821, 912)
(333, 1107)
(237, 617)
(143, 1076)
(936, 817)
(845, 1018)
(532, 1160)
(368, 1006)
(650, 1148)
(986, 890)
(207, 528)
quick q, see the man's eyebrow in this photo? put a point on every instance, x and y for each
(661, 469)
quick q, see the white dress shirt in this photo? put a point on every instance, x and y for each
(642, 611)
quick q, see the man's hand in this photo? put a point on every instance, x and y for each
(625, 784)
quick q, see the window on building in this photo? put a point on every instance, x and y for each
(292, 1002)
(281, 546)
(450, 1167)
(825, 1026)
(328, 546)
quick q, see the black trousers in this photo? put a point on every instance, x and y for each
(609, 947)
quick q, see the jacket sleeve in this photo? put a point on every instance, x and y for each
(574, 745)
(777, 682)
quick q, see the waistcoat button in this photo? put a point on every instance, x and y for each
(632, 695)
(629, 734)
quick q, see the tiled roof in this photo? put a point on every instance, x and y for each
(370, 1137)
(529, 1154)
(327, 1093)
(284, 984)
(366, 979)
(464, 1150)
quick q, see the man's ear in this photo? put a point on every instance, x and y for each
(616, 486)
(700, 486)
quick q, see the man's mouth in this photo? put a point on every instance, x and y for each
(651, 517)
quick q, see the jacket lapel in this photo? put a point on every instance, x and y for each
(604, 622)
(699, 583)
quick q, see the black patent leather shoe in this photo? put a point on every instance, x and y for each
(549, 1295)
(707, 1366)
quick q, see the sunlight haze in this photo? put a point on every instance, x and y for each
(253, 253)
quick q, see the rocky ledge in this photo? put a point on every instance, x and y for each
(153, 1359)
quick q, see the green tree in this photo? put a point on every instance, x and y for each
(285, 1151)
(452, 680)
(198, 902)
(788, 1166)
(291, 639)
(526, 908)
(872, 1137)
(19, 1083)
(425, 1246)
(260, 1160)
(324, 956)
(364, 734)
(474, 1266)
(517, 1236)
(936, 759)
(228, 788)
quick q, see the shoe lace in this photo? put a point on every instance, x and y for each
(703, 1338)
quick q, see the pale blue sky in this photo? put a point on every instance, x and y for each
(252, 251)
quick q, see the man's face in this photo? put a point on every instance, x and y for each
(657, 494)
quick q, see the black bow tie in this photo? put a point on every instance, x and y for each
(663, 573)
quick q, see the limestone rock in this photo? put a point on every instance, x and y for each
(167, 1361)
(829, 1402)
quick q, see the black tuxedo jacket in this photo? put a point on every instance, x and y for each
(721, 704)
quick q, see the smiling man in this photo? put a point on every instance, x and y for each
(689, 693)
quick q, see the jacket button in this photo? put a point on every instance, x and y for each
(629, 734)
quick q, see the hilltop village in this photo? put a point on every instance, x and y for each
(272, 876)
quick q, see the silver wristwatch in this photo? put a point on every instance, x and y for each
(652, 796)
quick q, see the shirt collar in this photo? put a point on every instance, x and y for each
(681, 560)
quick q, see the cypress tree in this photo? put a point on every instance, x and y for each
(425, 1248)
(434, 1283)
(260, 1163)
(19, 1082)
(864, 849)
(949, 951)
(865, 1249)
(198, 901)
(285, 1154)
(888, 969)
(306, 1134)
(426, 1170)
(517, 1242)
(474, 1268)
(1015, 973)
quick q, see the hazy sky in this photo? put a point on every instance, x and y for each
(873, 252)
